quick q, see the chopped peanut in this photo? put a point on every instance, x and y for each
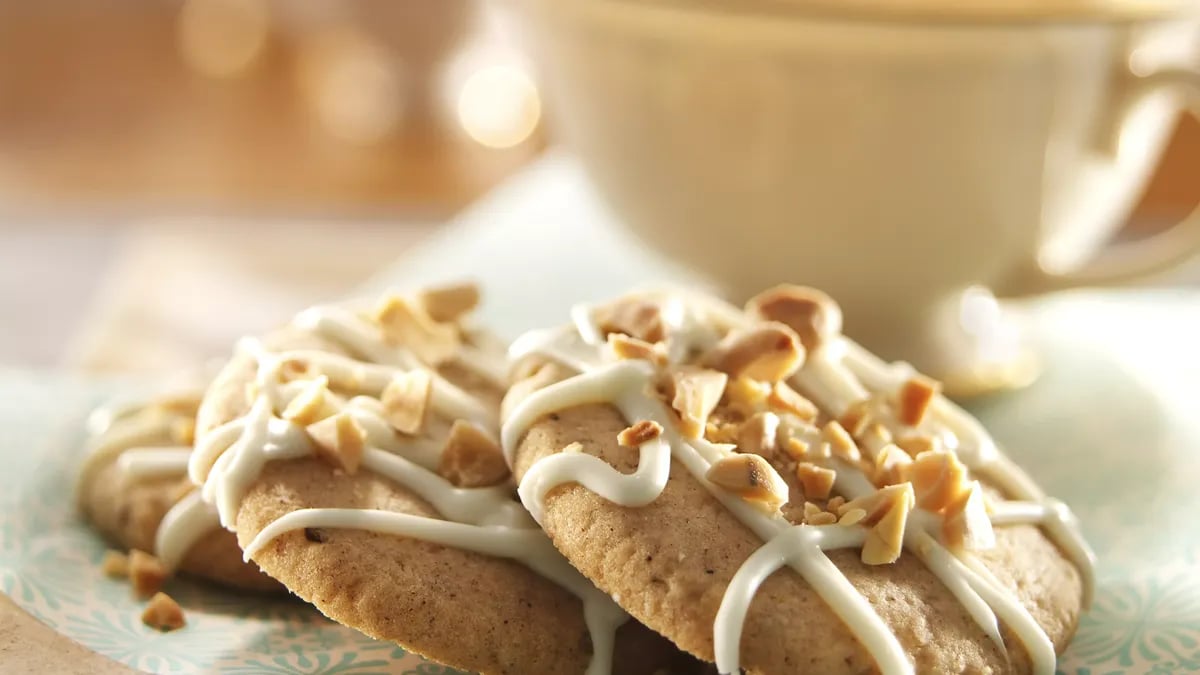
(817, 481)
(404, 325)
(811, 510)
(783, 397)
(886, 537)
(938, 479)
(697, 393)
(445, 304)
(852, 517)
(625, 347)
(915, 445)
(310, 404)
(472, 457)
(339, 440)
(874, 438)
(717, 432)
(814, 316)
(856, 417)
(891, 466)
(840, 442)
(914, 399)
(115, 565)
(822, 518)
(965, 522)
(835, 503)
(770, 352)
(636, 318)
(795, 448)
(146, 573)
(406, 401)
(634, 436)
(751, 478)
(163, 613)
(758, 434)
(747, 396)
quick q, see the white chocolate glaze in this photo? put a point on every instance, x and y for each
(836, 375)
(133, 435)
(230, 458)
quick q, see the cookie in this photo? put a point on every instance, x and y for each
(133, 488)
(355, 454)
(772, 497)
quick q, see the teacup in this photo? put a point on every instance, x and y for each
(912, 166)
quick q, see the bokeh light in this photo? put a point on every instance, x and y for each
(354, 85)
(222, 38)
(499, 106)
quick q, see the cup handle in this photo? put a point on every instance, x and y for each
(1121, 263)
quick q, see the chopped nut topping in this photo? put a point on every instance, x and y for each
(840, 442)
(886, 538)
(822, 518)
(717, 432)
(310, 404)
(852, 517)
(183, 430)
(163, 613)
(758, 434)
(752, 478)
(339, 440)
(406, 401)
(914, 399)
(795, 448)
(636, 318)
(814, 316)
(625, 347)
(115, 565)
(634, 436)
(821, 450)
(817, 481)
(915, 445)
(472, 457)
(697, 393)
(811, 510)
(835, 503)
(446, 304)
(403, 325)
(856, 417)
(965, 522)
(938, 479)
(573, 448)
(146, 573)
(891, 466)
(770, 352)
(747, 396)
(874, 439)
(783, 397)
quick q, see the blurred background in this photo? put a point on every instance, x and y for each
(167, 153)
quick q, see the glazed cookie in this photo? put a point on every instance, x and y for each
(355, 455)
(133, 488)
(772, 497)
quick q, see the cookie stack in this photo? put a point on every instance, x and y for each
(662, 483)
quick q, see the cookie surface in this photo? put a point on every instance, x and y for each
(372, 543)
(672, 561)
(127, 501)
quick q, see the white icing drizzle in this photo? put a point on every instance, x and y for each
(228, 460)
(835, 376)
(183, 525)
(154, 462)
(133, 434)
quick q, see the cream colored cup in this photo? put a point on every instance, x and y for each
(906, 165)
